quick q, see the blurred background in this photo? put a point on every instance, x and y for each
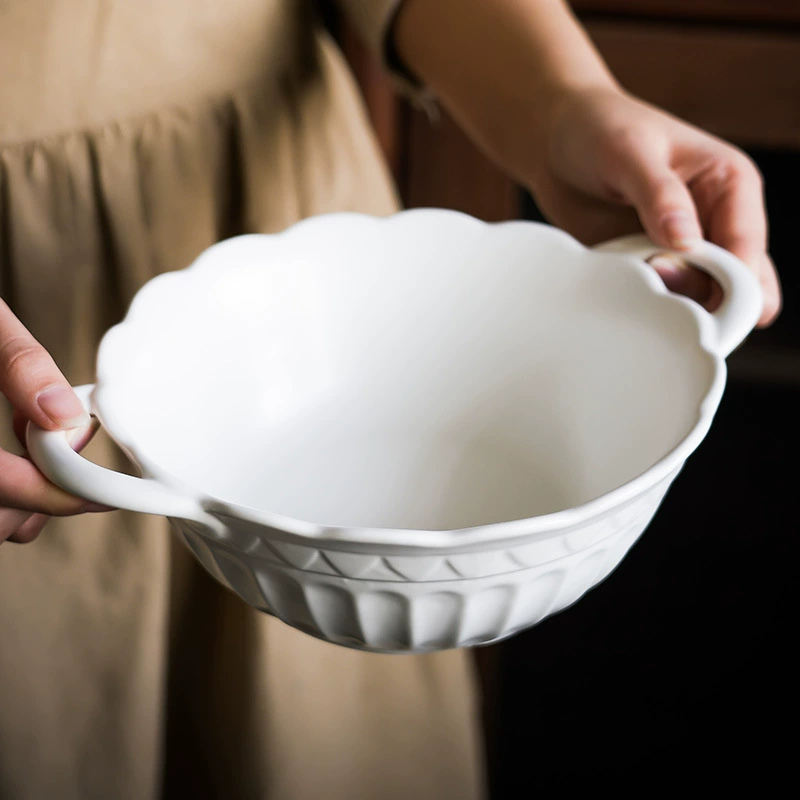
(677, 671)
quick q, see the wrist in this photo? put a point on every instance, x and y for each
(503, 69)
(560, 107)
(392, 56)
(524, 136)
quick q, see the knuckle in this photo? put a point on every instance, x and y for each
(12, 521)
(19, 356)
(630, 138)
(25, 535)
(743, 168)
(55, 502)
(629, 147)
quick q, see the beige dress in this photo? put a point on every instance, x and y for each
(133, 134)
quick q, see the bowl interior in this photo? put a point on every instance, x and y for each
(419, 373)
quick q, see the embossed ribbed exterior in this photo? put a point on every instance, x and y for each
(416, 600)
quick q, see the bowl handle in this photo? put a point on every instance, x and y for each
(53, 455)
(742, 300)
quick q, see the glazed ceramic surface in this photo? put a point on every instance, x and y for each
(409, 433)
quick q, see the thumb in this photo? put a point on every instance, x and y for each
(664, 204)
(32, 382)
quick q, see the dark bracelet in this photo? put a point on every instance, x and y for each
(392, 58)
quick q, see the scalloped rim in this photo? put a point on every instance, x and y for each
(473, 537)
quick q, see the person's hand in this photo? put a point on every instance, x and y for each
(39, 393)
(613, 165)
(540, 101)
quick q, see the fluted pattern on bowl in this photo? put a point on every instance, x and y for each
(419, 602)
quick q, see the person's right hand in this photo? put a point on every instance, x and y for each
(39, 393)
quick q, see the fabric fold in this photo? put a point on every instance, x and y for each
(126, 672)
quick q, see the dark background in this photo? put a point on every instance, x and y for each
(680, 667)
(678, 672)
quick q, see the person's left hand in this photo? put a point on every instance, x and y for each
(614, 165)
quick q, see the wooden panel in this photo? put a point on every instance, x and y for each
(433, 164)
(382, 103)
(742, 86)
(763, 11)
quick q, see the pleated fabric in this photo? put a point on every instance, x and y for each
(133, 136)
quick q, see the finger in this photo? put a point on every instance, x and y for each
(681, 278)
(80, 437)
(770, 283)
(24, 487)
(664, 203)
(731, 198)
(32, 382)
(77, 437)
(591, 220)
(737, 223)
(11, 520)
(29, 529)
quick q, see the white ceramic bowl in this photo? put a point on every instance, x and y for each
(410, 433)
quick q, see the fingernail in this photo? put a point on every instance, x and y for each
(681, 229)
(93, 508)
(63, 407)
